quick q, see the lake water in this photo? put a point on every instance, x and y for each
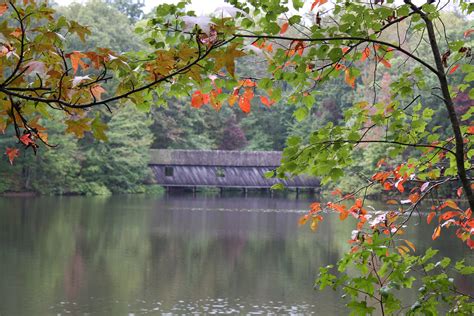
(176, 254)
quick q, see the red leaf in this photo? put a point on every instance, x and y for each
(12, 153)
(26, 140)
(468, 32)
(284, 28)
(365, 54)
(198, 99)
(430, 217)
(3, 8)
(244, 104)
(436, 232)
(470, 243)
(266, 101)
(453, 69)
(459, 192)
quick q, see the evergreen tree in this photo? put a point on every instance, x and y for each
(121, 163)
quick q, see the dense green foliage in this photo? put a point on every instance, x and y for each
(177, 125)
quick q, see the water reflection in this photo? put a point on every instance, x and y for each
(177, 254)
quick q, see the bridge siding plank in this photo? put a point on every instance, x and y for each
(234, 177)
(215, 158)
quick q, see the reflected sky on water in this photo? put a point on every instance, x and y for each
(132, 255)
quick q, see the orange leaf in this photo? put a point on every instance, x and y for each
(336, 192)
(436, 232)
(470, 130)
(453, 69)
(400, 187)
(365, 54)
(350, 80)
(459, 192)
(315, 207)
(387, 185)
(303, 219)
(248, 83)
(76, 60)
(3, 8)
(392, 202)
(244, 104)
(317, 2)
(449, 203)
(385, 62)
(468, 213)
(430, 217)
(16, 33)
(12, 153)
(96, 91)
(448, 215)
(266, 101)
(414, 197)
(198, 99)
(343, 215)
(284, 28)
(358, 203)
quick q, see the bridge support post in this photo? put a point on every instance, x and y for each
(297, 192)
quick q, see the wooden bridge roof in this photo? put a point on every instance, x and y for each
(218, 158)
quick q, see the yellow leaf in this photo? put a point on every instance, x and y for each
(314, 224)
(227, 58)
(78, 127)
(410, 244)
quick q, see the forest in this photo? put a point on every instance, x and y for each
(113, 159)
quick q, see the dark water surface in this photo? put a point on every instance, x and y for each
(171, 255)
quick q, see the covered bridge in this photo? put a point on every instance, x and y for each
(220, 168)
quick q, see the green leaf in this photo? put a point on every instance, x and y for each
(300, 114)
(278, 186)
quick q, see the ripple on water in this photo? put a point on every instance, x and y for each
(208, 306)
